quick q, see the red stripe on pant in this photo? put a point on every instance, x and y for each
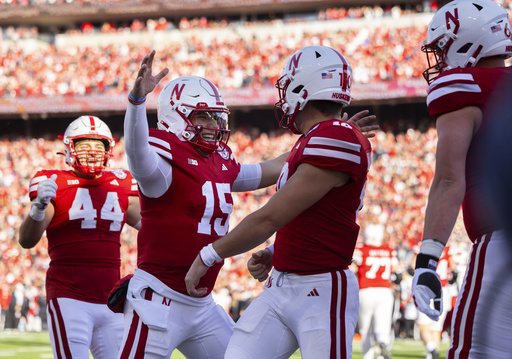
(59, 330)
(143, 335)
(479, 249)
(338, 319)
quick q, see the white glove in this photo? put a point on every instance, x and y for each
(426, 285)
(46, 190)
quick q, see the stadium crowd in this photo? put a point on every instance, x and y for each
(396, 194)
(238, 56)
(233, 57)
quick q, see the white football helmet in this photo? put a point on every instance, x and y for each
(88, 127)
(462, 32)
(312, 73)
(178, 103)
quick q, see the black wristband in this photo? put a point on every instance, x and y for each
(426, 261)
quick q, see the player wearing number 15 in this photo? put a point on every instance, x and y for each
(83, 212)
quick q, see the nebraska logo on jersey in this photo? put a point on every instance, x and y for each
(224, 154)
(120, 174)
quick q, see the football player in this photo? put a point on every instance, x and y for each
(83, 212)
(375, 261)
(186, 173)
(311, 298)
(466, 46)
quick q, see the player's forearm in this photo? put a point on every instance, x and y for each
(248, 234)
(445, 199)
(136, 136)
(270, 170)
(30, 232)
(153, 173)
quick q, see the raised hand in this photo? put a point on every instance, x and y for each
(146, 82)
(361, 121)
(46, 190)
(260, 264)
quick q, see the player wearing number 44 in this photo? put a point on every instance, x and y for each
(83, 212)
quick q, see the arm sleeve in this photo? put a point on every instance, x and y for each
(248, 178)
(152, 172)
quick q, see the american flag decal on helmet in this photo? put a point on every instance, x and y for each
(496, 28)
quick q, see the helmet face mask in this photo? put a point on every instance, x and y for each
(435, 56)
(192, 108)
(208, 130)
(463, 32)
(312, 73)
(90, 161)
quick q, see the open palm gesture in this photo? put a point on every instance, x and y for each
(146, 82)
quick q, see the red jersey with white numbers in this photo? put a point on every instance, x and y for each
(192, 213)
(374, 266)
(84, 234)
(459, 88)
(322, 238)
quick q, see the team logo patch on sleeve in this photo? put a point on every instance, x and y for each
(120, 174)
(224, 154)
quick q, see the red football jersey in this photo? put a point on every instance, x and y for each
(323, 237)
(374, 266)
(192, 213)
(451, 91)
(84, 234)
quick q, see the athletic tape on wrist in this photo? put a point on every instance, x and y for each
(209, 256)
(432, 247)
(430, 252)
(36, 213)
(271, 248)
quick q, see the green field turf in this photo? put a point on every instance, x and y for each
(24, 345)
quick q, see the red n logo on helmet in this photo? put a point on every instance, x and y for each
(454, 18)
(177, 90)
(294, 62)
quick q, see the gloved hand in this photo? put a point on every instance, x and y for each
(46, 190)
(426, 286)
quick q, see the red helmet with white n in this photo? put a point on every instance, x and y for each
(185, 97)
(312, 73)
(85, 128)
(463, 32)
